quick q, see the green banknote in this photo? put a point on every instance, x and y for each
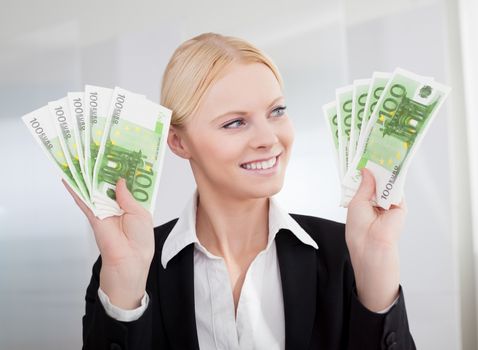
(42, 127)
(96, 104)
(375, 88)
(331, 120)
(133, 148)
(77, 112)
(397, 124)
(343, 97)
(60, 113)
(359, 98)
(379, 80)
(377, 84)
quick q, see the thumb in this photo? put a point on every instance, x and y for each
(366, 190)
(125, 199)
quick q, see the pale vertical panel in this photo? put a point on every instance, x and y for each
(466, 13)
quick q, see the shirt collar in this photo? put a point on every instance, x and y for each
(184, 231)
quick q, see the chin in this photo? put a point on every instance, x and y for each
(265, 190)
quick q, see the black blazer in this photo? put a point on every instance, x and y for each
(321, 307)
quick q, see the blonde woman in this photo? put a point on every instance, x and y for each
(234, 270)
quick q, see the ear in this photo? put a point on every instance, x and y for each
(176, 142)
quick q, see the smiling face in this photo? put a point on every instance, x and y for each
(241, 119)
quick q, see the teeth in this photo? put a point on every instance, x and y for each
(261, 165)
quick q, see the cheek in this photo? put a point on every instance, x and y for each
(219, 151)
(288, 134)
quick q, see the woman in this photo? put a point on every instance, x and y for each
(235, 271)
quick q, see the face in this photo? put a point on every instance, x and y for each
(239, 140)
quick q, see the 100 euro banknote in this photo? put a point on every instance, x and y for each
(132, 148)
(63, 121)
(96, 103)
(396, 127)
(359, 98)
(42, 127)
(77, 112)
(362, 112)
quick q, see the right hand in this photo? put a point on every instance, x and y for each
(126, 245)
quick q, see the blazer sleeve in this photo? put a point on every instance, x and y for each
(371, 330)
(101, 331)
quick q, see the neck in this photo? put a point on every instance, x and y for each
(230, 227)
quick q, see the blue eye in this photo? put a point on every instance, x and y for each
(276, 112)
(280, 109)
(227, 126)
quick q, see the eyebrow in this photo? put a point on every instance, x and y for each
(244, 113)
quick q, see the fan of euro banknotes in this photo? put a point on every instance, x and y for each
(96, 136)
(378, 124)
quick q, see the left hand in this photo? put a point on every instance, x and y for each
(372, 234)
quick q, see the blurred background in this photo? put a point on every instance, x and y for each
(48, 48)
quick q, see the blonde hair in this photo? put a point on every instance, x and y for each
(197, 63)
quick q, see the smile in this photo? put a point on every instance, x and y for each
(262, 166)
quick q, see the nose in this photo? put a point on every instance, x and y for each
(265, 135)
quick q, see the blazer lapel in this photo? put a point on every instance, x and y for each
(297, 263)
(177, 300)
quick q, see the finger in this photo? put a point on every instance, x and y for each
(126, 200)
(366, 190)
(84, 208)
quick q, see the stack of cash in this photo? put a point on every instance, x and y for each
(378, 124)
(96, 136)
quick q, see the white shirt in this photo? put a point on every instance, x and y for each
(260, 322)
